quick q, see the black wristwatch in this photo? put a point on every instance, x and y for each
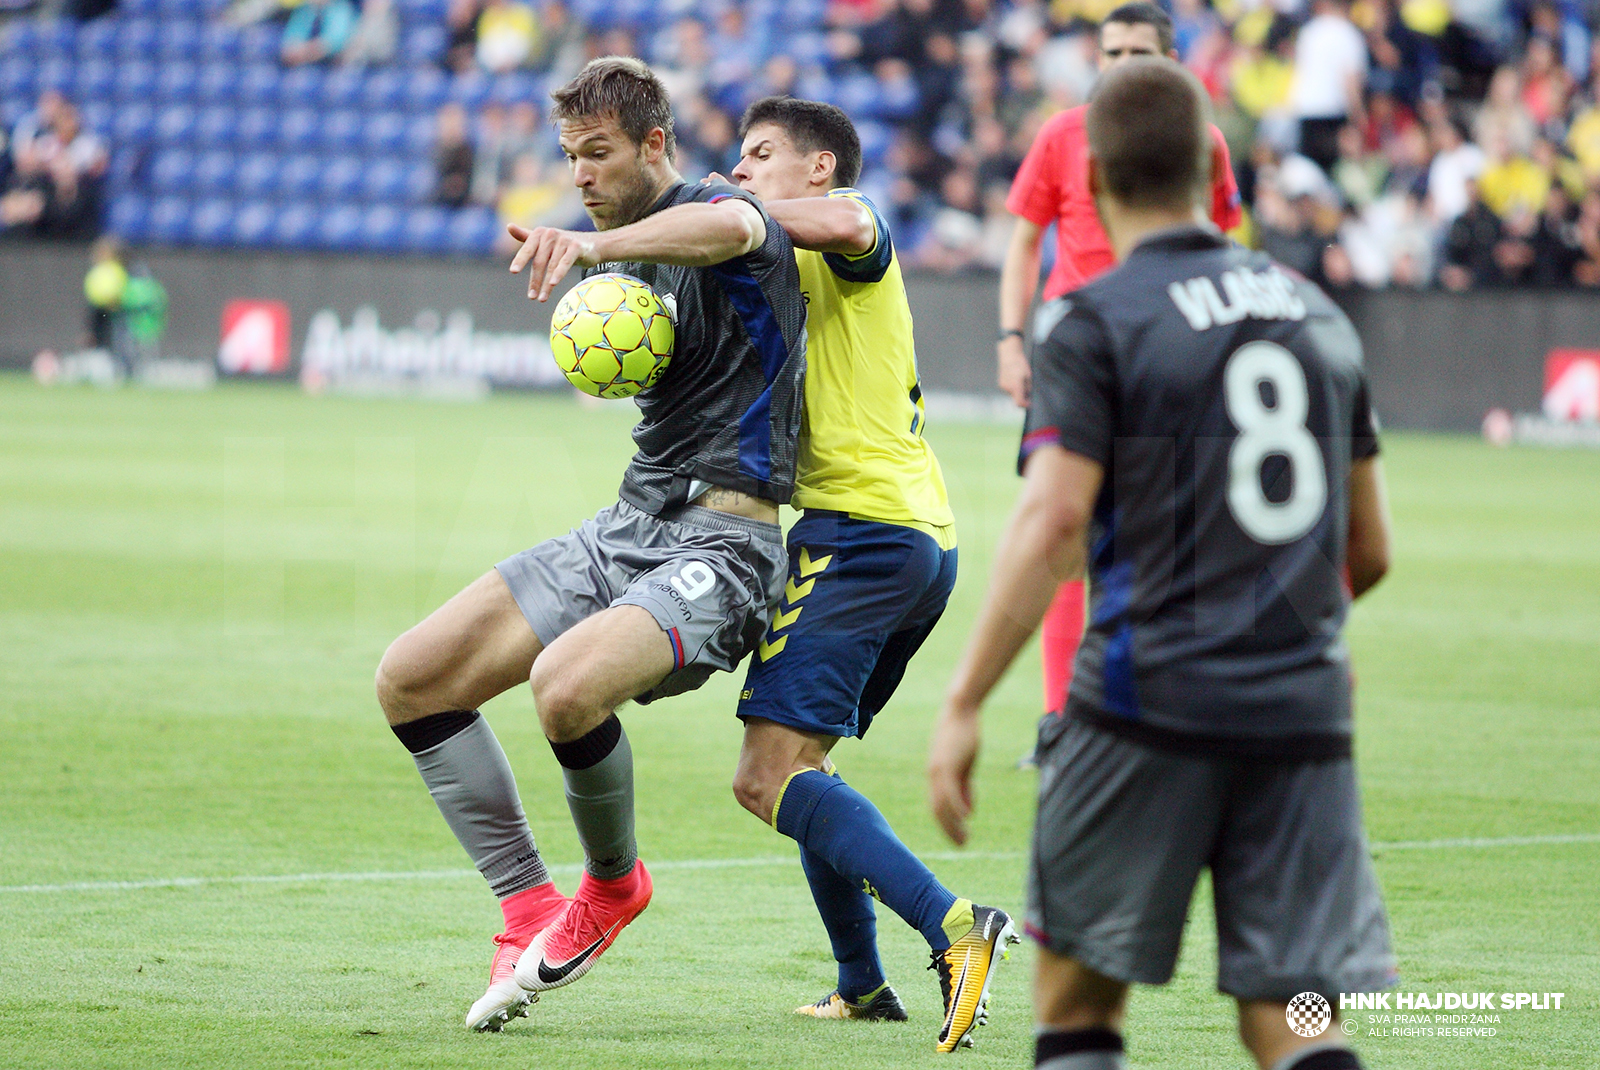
(1008, 333)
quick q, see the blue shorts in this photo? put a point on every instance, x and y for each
(861, 597)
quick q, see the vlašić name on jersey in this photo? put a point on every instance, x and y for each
(1262, 295)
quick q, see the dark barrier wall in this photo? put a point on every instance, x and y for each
(1438, 361)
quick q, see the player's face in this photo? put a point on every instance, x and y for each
(1122, 41)
(611, 172)
(772, 168)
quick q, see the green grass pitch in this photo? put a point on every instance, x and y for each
(195, 590)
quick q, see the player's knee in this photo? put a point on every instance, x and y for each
(755, 792)
(562, 698)
(396, 682)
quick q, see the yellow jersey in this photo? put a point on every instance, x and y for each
(861, 445)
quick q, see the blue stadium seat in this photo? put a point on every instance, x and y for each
(294, 226)
(216, 172)
(472, 230)
(12, 109)
(128, 166)
(341, 178)
(384, 180)
(138, 9)
(172, 171)
(258, 84)
(299, 129)
(17, 78)
(129, 217)
(421, 132)
(168, 223)
(384, 132)
(57, 37)
(252, 223)
(97, 40)
(179, 40)
(515, 87)
(339, 228)
(177, 81)
(19, 38)
(385, 88)
(421, 178)
(211, 222)
(136, 38)
(258, 174)
(98, 116)
(299, 177)
(808, 49)
(342, 87)
(426, 89)
(301, 88)
(470, 89)
(93, 79)
(215, 126)
(259, 44)
(382, 229)
(425, 230)
(875, 140)
(815, 85)
(56, 73)
(182, 9)
(423, 44)
(219, 42)
(218, 81)
(858, 94)
(133, 124)
(414, 11)
(175, 124)
(257, 129)
(136, 81)
(341, 130)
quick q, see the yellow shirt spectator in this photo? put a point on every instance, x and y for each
(1514, 185)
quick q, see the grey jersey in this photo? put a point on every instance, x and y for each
(1225, 399)
(727, 411)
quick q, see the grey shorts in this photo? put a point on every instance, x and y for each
(1123, 830)
(709, 578)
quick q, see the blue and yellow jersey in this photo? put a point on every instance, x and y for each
(861, 450)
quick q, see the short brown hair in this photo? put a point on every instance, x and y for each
(1149, 133)
(620, 88)
(813, 126)
(1144, 13)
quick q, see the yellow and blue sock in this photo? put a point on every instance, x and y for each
(839, 825)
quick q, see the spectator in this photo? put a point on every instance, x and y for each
(54, 190)
(376, 37)
(103, 288)
(493, 155)
(1330, 68)
(1511, 183)
(1359, 175)
(1557, 248)
(1470, 244)
(461, 46)
(317, 31)
(1586, 272)
(452, 157)
(1457, 162)
(1503, 114)
(508, 35)
(1546, 85)
(536, 194)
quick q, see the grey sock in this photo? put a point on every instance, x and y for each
(598, 770)
(472, 784)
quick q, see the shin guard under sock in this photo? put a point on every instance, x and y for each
(851, 919)
(1078, 1049)
(598, 770)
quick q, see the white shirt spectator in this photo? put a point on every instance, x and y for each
(1448, 176)
(1329, 52)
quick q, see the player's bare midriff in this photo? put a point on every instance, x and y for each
(738, 503)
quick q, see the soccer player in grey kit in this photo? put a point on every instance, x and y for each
(1201, 433)
(654, 593)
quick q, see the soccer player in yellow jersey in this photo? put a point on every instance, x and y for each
(872, 560)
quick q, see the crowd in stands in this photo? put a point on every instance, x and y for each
(1385, 142)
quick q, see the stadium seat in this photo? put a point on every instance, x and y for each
(56, 37)
(215, 126)
(258, 84)
(383, 180)
(177, 81)
(857, 94)
(97, 40)
(129, 217)
(424, 230)
(301, 88)
(138, 9)
(385, 88)
(259, 44)
(219, 42)
(258, 174)
(252, 223)
(168, 221)
(20, 37)
(93, 79)
(426, 89)
(422, 11)
(382, 229)
(341, 178)
(218, 81)
(257, 128)
(12, 109)
(136, 81)
(421, 132)
(128, 167)
(341, 130)
(136, 39)
(216, 172)
(17, 78)
(299, 177)
(179, 40)
(423, 44)
(514, 88)
(172, 171)
(211, 222)
(875, 140)
(298, 129)
(472, 230)
(470, 90)
(339, 227)
(56, 73)
(384, 132)
(181, 9)
(133, 123)
(98, 116)
(421, 178)
(293, 226)
(175, 124)
(341, 88)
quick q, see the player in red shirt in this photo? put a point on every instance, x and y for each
(1052, 186)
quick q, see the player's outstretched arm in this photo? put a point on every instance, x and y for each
(1367, 549)
(690, 235)
(1043, 546)
(1019, 278)
(826, 224)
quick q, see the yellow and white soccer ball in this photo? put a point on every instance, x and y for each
(611, 336)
